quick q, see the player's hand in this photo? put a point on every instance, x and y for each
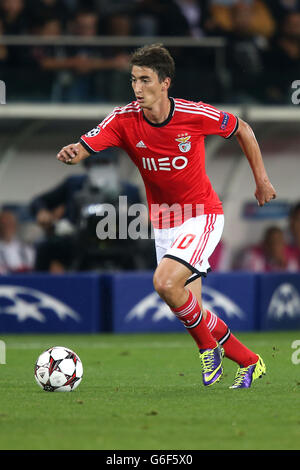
(264, 193)
(68, 154)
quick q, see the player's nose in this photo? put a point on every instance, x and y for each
(137, 89)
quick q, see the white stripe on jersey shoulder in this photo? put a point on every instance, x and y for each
(133, 107)
(196, 107)
(202, 113)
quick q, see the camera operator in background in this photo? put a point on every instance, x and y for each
(68, 216)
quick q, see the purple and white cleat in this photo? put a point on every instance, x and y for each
(212, 369)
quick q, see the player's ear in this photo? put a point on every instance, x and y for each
(166, 84)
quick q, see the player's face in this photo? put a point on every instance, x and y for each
(147, 88)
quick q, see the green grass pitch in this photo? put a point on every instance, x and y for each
(145, 392)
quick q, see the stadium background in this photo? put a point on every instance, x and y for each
(64, 64)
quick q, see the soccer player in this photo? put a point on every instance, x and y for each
(165, 137)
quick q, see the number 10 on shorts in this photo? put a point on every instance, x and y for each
(185, 242)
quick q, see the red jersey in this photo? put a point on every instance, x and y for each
(170, 156)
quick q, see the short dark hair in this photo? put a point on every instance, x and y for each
(157, 58)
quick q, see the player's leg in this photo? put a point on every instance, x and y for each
(196, 288)
(182, 255)
(234, 349)
(251, 365)
(169, 281)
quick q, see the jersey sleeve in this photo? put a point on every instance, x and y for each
(106, 134)
(213, 121)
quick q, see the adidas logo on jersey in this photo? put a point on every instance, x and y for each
(141, 145)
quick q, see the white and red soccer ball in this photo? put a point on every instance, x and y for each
(58, 369)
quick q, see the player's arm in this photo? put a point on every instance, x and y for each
(107, 134)
(72, 154)
(265, 192)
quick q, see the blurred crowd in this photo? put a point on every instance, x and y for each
(262, 40)
(278, 250)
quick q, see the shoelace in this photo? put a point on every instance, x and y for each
(207, 362)
(240, 376)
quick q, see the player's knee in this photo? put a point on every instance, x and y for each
(164, 286)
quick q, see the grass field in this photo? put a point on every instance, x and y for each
(145, 392)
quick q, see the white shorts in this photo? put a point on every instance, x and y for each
(191, 243)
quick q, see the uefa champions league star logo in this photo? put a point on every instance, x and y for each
(26, 303)
(212, 298)
(153, 303)
(285, 302)
(93, 132)
(184, 144)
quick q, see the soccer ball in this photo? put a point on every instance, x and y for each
(58, 369)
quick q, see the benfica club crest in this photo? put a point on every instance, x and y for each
(184, 144)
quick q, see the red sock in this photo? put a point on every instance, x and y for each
(233, 348)
(191, 316)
